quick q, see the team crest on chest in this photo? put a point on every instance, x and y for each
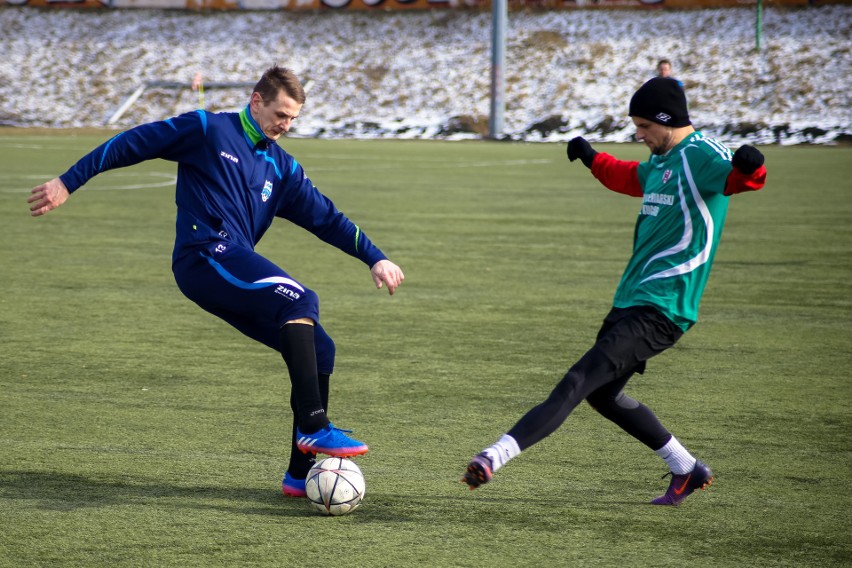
(667, 175)
(267, 191)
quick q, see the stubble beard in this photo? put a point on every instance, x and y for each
(663, 147)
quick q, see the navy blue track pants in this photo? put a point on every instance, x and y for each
(252, 294)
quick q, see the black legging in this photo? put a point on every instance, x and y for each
(630, 336)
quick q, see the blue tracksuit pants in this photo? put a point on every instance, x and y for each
(252, 294)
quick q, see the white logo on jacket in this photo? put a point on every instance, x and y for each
(230, 157)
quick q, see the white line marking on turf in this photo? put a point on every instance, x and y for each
(169, 180)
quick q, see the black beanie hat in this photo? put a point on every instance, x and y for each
(661, 100)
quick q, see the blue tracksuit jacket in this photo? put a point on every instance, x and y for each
(232, 182)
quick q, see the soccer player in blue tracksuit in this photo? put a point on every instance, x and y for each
(233, 180)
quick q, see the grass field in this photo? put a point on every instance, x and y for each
(137, 430)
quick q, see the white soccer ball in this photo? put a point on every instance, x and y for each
(335, 486)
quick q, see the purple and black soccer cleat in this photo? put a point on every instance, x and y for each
(478, 471)
(683, 485)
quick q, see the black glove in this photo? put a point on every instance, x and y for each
(579, 148)
(747, 159)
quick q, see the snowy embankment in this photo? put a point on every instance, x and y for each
(427, 74)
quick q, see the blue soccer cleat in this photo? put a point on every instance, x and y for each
(330, 441)
(684, 485)
(292, 487)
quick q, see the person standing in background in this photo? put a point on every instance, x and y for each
(664, 69)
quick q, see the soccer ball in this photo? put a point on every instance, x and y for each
(335, 486)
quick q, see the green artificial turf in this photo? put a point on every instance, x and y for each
(138, 430)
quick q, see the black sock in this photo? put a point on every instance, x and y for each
(301, 463)
(297, 348)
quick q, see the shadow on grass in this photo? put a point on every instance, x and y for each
(56, 491)
(69, 492)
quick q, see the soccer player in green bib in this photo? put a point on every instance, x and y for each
(685, 186)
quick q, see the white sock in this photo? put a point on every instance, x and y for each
(679, 460)
(505, 449)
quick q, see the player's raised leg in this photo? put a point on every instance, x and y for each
(314, 433)
(252, 294)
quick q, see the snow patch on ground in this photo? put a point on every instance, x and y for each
(427, 74)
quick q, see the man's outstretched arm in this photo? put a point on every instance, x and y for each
(747, 174)
(617, 175)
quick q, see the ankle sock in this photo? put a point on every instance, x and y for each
(679, 460)
(502, 451)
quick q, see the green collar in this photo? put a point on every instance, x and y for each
(250, 127)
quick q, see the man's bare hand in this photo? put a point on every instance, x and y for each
(387, 273)
(47, 196)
